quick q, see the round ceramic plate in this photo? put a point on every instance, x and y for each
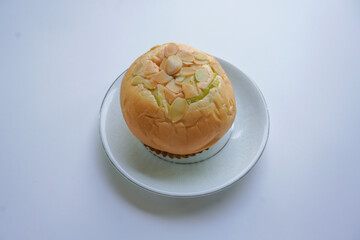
(243, 149)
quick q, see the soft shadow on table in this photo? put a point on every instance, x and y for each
(162, 205)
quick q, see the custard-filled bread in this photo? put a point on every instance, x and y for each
(177, 99)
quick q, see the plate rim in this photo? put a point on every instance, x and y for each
(214, 190)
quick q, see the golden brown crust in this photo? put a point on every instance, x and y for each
(204, 121)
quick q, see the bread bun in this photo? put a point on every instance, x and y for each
(177, 99)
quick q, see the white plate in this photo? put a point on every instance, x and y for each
(137, 164)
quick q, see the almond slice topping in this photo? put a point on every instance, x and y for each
(162, 65)
(208, 68)
(138, 68)
(178, 109)
(160, 91)
(179, 80)
(137, 80)
(190, 80)
(173, 64)
(185, 56)
(173, 87)
(203, 85)
(161, 77)
(190, 90)
(200, 56)
(217, 68)
(170, 95)
(198, 62)
(171, 49)
(187, 71)
(201, 75)
(149, 84)
(157, 60)
(150, 67)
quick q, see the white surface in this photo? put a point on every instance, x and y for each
(57, 59)
(248, 138)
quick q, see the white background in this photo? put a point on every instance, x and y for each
(58, 58)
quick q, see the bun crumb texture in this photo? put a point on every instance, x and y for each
(177, 99)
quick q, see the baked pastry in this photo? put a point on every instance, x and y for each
(177, 100)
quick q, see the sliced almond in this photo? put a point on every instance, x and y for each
(200, 56)
(187, 71)
(179, 80)
(169, 95)
(208, 68)
(178, 109)
(161, 77)
(138, 68)
(173, 87)
(137, 80)
(159, 94)
(162, 64)
(203, 85)
(201, 75)
(196, 67)
(166, 107)
(156, 60)
(150, 67)
(182, 80)
(188, 63)
(171, 49)
(160, 54)
(217, 68)
(181, 94)
(198, 62)
(173, 64)
(190, 80)
(185, 56)
(149, 84)
(190, 90)
(160, 91)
